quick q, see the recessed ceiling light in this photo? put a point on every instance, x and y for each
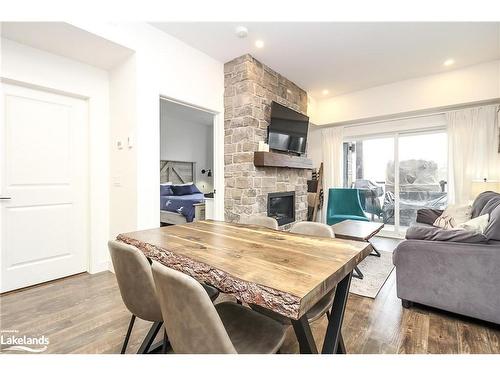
(259, 43)
(241, 32)
(449, 62)
(325, 92)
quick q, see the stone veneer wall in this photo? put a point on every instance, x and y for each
(249, 89)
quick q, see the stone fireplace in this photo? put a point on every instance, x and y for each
(281, 206)
(249, 89)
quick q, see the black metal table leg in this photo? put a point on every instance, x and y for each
(357, 273)
(333, 332)
(304, 335)
(148, 341)
(165, 342)
(375, 252)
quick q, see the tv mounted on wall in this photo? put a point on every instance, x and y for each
(287, 130)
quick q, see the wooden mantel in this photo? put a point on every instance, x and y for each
(275, 159)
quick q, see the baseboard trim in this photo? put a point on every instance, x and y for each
(100, 267)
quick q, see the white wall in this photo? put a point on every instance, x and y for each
(188, 140)
(471, 84)
(170, 68)
(314, 145)
(123, 161)
(32, 67)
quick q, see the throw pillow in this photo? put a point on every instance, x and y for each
(185, 189)
(445, 222)
(166, 189)
(478, 224)
(459, 213)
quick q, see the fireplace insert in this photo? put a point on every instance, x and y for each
(281, 206)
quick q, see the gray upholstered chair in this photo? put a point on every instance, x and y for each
(324, 305)
(312, 229)
(320, 230)
(138, 291)
(196, 326)
(263, 221)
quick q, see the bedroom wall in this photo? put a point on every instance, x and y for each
(29, 66)
(182, 139)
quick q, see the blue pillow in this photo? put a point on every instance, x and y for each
(185, 189)
(166, 190)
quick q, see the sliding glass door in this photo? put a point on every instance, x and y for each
(365, 168)
(423, 174)
(370, 165)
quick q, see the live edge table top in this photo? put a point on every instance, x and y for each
(284, 272)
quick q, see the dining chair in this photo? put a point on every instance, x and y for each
(263, 221)
(324, 305)
(344, 204)
(196, 326)
(138, 291)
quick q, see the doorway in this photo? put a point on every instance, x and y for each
(43, 186)
(187, 156)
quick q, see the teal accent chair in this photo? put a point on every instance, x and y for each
(344, 204)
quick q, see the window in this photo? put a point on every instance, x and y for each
(370, 165)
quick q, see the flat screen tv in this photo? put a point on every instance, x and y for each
(287, 130)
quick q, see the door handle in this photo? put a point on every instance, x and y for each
(5, 198)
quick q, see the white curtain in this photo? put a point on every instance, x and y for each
(332, 139)
(473, 137)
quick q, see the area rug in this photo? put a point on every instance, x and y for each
(376, 271)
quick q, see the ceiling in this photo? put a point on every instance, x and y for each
(66, 40)
(346, 57)
(177, 111)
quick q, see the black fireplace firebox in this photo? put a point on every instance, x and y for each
(281, 206)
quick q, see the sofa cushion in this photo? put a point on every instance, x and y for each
(439, 234)
(492, 231)
(490, 206)
(481, 201)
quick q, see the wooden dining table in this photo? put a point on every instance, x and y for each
(284, 272)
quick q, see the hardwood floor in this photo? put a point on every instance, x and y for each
(85, 314)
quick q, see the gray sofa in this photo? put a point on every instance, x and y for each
(453, 270)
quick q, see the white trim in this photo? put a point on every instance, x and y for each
(186, 104)
(89, 83)
(395, 135)
(218, 150)
(416, 124)
(396, 183)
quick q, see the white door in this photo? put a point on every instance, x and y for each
(43, 186)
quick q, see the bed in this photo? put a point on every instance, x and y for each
(186, 204)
